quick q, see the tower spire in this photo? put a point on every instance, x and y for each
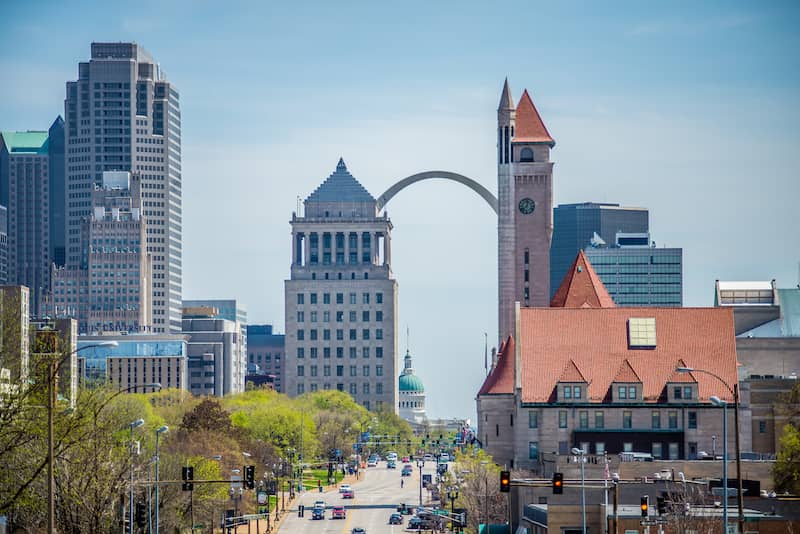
(506, 100)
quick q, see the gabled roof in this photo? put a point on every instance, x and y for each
(571, 373)
(529, 127)
(25, 142)
(582, 288)
(596, 339)
(687, 378)
(501, 379)
(506, 100)
(340, 186)
(626, 373)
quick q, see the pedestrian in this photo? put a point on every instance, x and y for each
(402, 481)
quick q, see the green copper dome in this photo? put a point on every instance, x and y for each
(411, 383)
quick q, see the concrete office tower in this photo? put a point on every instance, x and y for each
(232, 310)
(525, 203)
(14, 336)
(341, 300)
(56, 153)
(3, 245)
(216, 363)
(111, 293)
(123, 115)
(266, 355)
(576, 224)
(636, 273)
(25, 191)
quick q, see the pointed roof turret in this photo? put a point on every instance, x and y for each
(340, 186)
(506, 100)
(529, 127)
(582, 288)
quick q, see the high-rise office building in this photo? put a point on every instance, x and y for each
(56, 152)
(265, 355)
(574, 226)
(25, 191)
(111, 293)
(232, 310)
(217, 364)
(122, 114)
(341, 299)
(3, 245)
(636, 273)
(14, 333)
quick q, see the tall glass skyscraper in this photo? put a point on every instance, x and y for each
(122, 114)
(574, 226)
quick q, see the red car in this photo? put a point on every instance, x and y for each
(348, 494)
(339, 512)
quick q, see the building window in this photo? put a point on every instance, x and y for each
(339, 316)
(301, 388)
(313, 352)
(365, 370)
(533, 419)
(340, 372)
(379, 389)
(526, 155)
(655, 419)
(676, 392)
(353, 389)
(326, 298)
(576, 392)
(365, 333)
(599, 419)
(301, 371)
(365, 388)
(312, 334)
(692, 420)
(301, 353)
(313, 370)
(687, 392)
(583, 419)
(326, 317)
(313, 317)
(301, 298)
(365, 352)
(600, 448)
(353, 316)
(674, 451)
(379, 333)
(631, 392)
(340, 352)
(533, 450)
(562, 419)
(627, 419)
(326, 334)
(301, 335)
(567, 392)
(326, 352)
(326, 370)
(353, 370)
(655, 449)
(379, 316)
(379, 298)
(339, 298)
(353, 352)
(353, 334)
(365, 298)
(762, 427)
(378, 370)
(352, 298)
(300, 317)
(339, 334)
(313, 298)
(673, 418)
(379, 352)
(622, 392)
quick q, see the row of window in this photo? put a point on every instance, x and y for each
(599, 448)
(353, 388)
(327, 369)
(627, 419)
(313, 334)
(326, 316)
(326, 298)
(313, 352)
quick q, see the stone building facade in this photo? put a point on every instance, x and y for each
(341, 299)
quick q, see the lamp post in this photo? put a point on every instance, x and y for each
(452, 494)
(719, 402)
(420, 464)
(582, 454)
(735, 392)
(160, 431)
(134, 424)
(52, 375)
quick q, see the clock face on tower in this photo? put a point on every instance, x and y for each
(527, 205)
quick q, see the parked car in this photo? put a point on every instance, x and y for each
(349, 494)
(344, 487)
(395, 519)
(338, 512)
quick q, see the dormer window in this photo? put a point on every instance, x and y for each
(627, 393)
(570, 392)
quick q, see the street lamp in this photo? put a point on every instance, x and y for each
(735, 392)
(452, 494)
(160, 431)
(719, 402)
(420, 464)
(134, 424)
(52, 374)
(582, 454)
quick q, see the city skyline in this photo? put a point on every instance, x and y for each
(710, 130)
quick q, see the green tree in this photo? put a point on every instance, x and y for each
(786, 471)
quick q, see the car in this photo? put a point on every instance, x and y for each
(427, 458)
(407, 470)
(395, 519)
(391, 456)
(372, 463)
(405, 459)
(391, 464)
(344, 487)
(318, 513)
(358, 530)
(320, 504)
(444, 457)
(338, 512)
(349, 494)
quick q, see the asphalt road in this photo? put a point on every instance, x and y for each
(377, 495)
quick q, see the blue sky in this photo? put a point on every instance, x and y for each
(689, 109)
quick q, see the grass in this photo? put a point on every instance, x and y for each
(311, 476)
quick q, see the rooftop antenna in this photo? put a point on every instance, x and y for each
(408, 336)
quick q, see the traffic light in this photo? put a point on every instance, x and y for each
(505, 481)
(250, 476)
(661, 505)
(645, 505)
(558, 483)
(187, 475)
(141, 515)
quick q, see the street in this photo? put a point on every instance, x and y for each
(377, 495)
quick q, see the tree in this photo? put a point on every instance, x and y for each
(208, 415)
(786, 472)
(478, 480)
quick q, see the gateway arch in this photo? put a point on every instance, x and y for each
(484, 193)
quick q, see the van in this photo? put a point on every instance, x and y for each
(391, 456)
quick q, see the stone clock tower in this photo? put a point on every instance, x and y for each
(525, 202)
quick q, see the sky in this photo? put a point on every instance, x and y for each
(690, 109)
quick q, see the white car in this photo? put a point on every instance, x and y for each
(345, 487)
(444, 457)
(372, 463)
(427, 458)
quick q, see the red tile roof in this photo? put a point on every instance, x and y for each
(528, 126)
(571, 373)
(683, 377)
(501, 379)
(596, 340)
(582, 288)
(626, 373)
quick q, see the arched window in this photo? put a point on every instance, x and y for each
(526, 155)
